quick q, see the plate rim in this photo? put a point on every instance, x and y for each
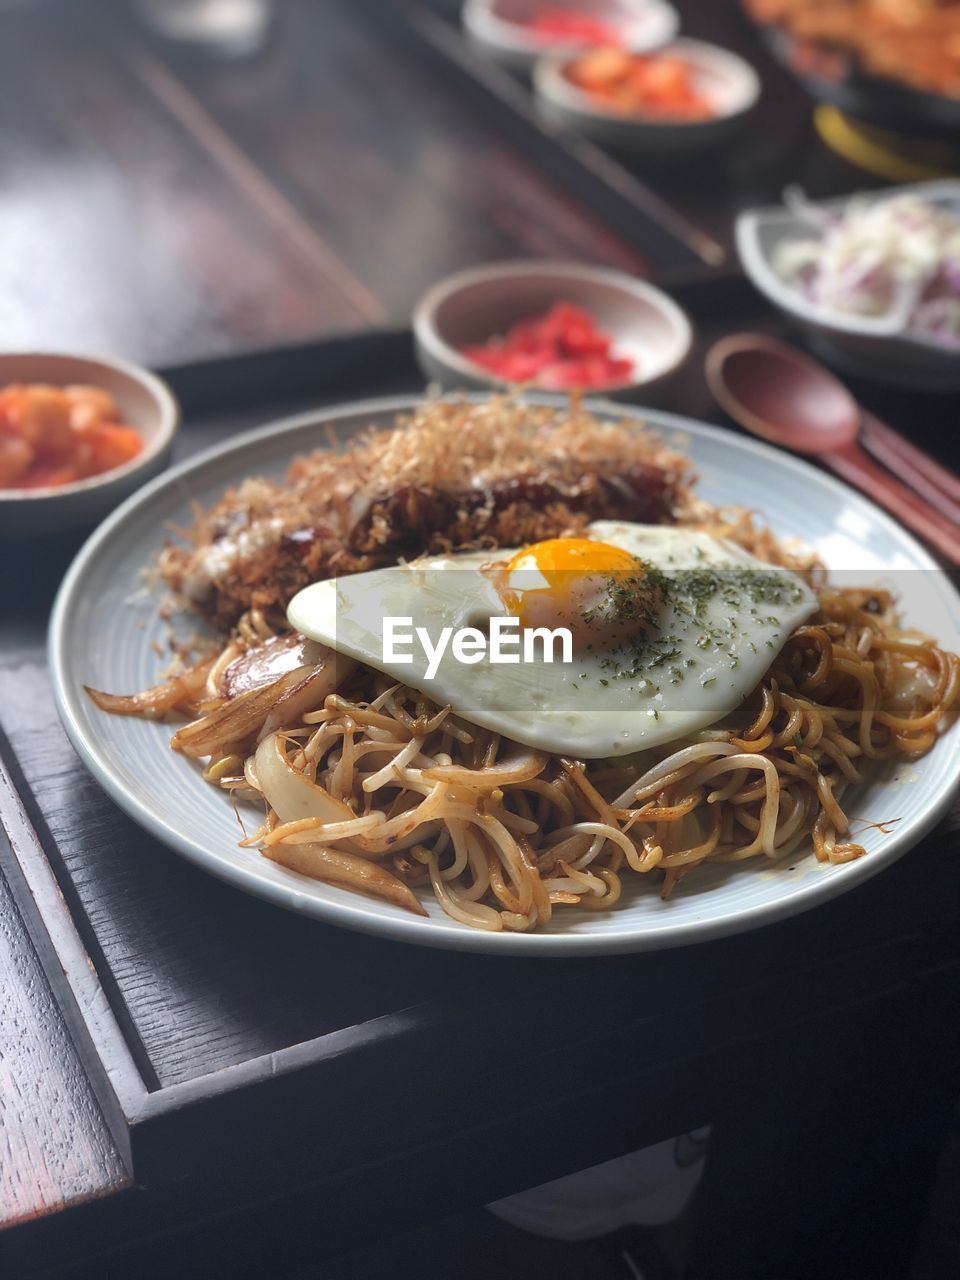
(449, 935)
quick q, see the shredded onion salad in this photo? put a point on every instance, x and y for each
(897, 257)
(369, 784)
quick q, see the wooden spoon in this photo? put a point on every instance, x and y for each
(778, 393)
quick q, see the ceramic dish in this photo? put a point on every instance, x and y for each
(104, 624)
(144, 402)
(497, 27)
(473, 306)
(867, 346)
(729, 83)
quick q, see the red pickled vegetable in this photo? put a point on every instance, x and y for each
(657, 85)
(568, 26)
(559, 350)
(52, 436)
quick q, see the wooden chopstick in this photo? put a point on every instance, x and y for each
(888, 490)
(927, 477)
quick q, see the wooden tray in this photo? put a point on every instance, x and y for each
(249, 1059)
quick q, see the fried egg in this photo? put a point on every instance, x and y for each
(670, 630)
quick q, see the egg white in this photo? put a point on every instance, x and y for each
(707, 655)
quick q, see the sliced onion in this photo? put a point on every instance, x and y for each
(261, 710)
(291, 795)
(334, 866)
(311, 691)
(263, 663)
(178, 693)
(235, 721)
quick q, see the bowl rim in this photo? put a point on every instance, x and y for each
(552, 85)
(169, 422)
(509, 36)
(428, 336)
(759, 268)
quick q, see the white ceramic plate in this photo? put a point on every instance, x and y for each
(104, 622)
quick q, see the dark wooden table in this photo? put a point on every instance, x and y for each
(192, 1080)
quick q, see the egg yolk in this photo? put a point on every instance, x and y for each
(599, 591)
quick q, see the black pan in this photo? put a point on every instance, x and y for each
(832, 76)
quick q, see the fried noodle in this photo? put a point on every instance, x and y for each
(371, 785)
(379, 788)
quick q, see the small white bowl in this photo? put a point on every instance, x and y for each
(731, 85)
(872, 347)
(476, 305)
(144, 402)
(497, 26)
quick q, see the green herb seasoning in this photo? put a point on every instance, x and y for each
(643, 599)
